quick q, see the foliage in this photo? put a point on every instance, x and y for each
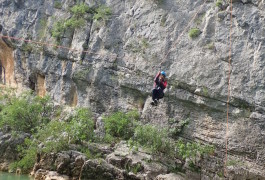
(163, 20)
(57, 4)
(58, 30)
(177, 129)
(102, 13)
(205, 91)
(152, 138)
(133, 168)
(81, 126)
(27, 47)
(158, 1)
(219, 3)
(80, 10)
(55, 137)
(234, 162)
(43, 27)
(25, 113)
(29, 153)
(191, 150)
(145, 44)
(121, 125)
(211, 46)
(194, 32)
(76, 21)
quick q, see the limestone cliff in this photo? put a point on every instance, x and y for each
(123, 55)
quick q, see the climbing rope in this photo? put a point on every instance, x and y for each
(43, 44)
(228, 87)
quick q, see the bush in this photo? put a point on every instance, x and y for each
(29, 153)
(26, 112)
(219, 3)
(80, 10)
(76, 21)
(81, 126)
(102, 13)
(194, 32)
(55, 137)
(158, 1)
(152, 138)
(58, 30)
(121, 125)
(191, 150)
(27, 47)
(57, 5)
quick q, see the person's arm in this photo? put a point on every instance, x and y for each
(157, 78)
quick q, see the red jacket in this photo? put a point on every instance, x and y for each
(158, 83)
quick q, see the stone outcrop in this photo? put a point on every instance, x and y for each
(8, 147)
(120, 163)
(123, 56)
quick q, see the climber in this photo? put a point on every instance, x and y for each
(159, 86)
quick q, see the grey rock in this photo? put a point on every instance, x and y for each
(124, 54)
(8, 147)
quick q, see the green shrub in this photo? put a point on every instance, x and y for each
(191, 150)
(80, 10)
(58, 30)
(27, 47)
(29, 154)
(81, 126)
(55, 137)
(43, 27)
(145, 44)
(219, 3)
(152, 138)
(121, 125)
(76, 21)
(25, 113)
(102, 13)
(194, 32)
(158, 1)
(57, 5)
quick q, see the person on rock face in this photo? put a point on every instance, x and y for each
(159, 86)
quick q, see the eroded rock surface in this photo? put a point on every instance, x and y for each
(124, 55)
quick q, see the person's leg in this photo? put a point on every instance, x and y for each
(160, 94)
(154, 94)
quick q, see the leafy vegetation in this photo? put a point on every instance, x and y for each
(56, 136)
(158, 1)
(192, 150)
(27, 47)
(36, 115)
(179, 127)
(152, 138)
(219, 3)
(26, 112)
(102, 13)
(57, 5)
(81, 126)
(194, 32)
(78, 19)
(121, 125)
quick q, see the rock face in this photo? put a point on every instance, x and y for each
(121, 163)
(124, 55)
(8, 148)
